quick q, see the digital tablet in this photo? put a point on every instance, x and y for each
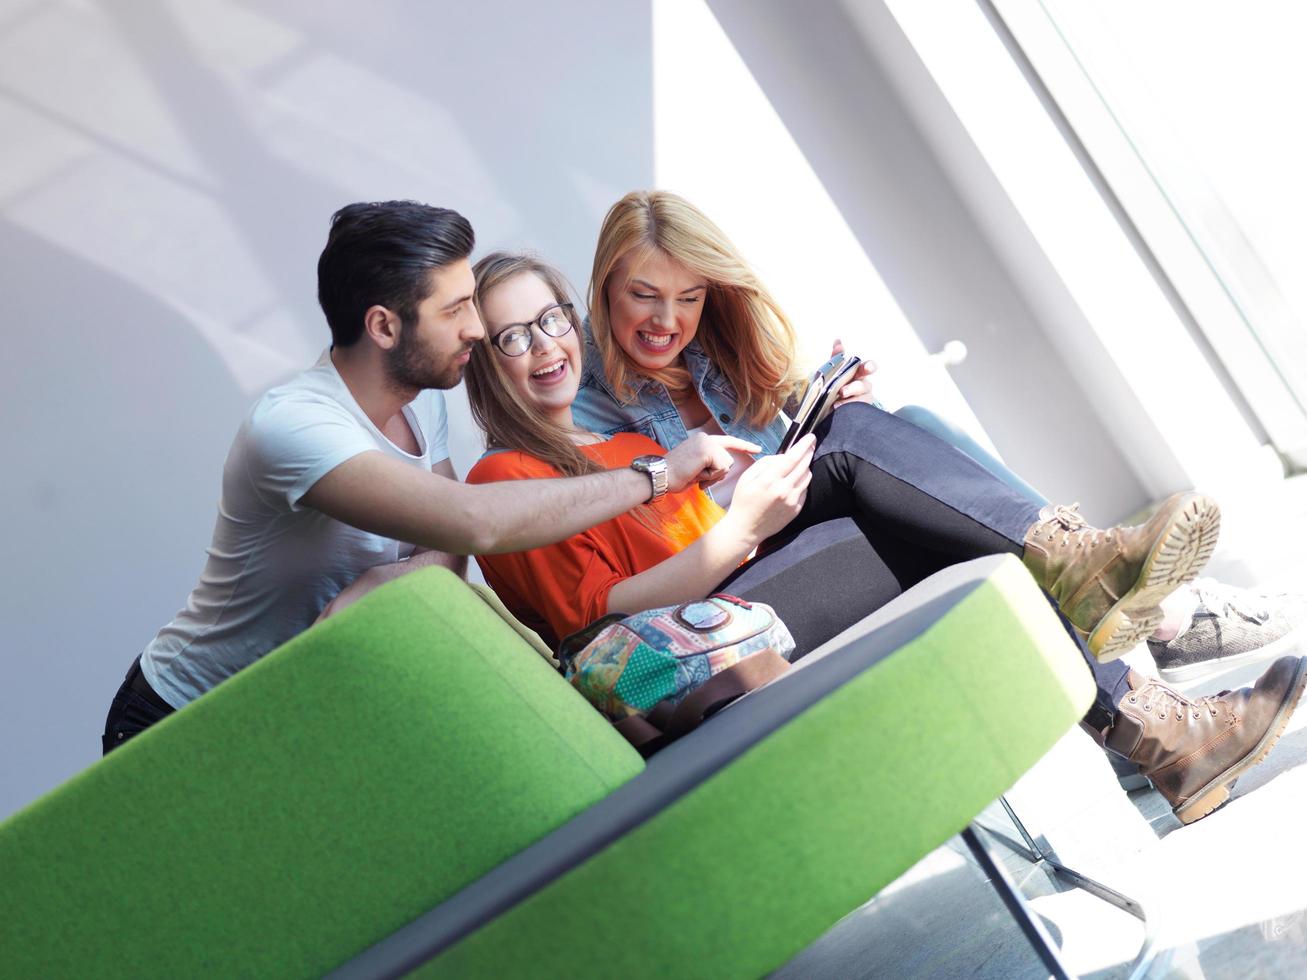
(820, 397)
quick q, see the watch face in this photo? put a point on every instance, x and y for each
(655, 467)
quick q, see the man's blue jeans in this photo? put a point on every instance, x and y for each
(134, 708)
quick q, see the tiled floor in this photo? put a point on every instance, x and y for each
(1226, 897)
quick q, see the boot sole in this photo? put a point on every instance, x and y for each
(1181, 550)
(1217, 792)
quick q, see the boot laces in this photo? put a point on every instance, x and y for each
(1072, 522)
(1157, 698)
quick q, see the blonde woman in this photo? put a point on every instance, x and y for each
(522, 382)
(686, 337)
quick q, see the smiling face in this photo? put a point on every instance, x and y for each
(548, 374)
(654, 306)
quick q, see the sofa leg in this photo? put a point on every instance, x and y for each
(1016, 904)
(1145, 959)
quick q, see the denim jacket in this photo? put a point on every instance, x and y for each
(652, 412)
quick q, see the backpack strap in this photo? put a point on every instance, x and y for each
(665, 722)
(574, 643)
(643, 735)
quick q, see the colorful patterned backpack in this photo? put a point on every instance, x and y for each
(658, 674)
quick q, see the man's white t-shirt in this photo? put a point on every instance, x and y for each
(274, 564)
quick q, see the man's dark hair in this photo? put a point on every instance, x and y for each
(382, 254)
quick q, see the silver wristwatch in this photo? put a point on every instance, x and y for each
(655, 467)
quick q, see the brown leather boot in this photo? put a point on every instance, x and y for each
(1193, 751)
(1109, 583)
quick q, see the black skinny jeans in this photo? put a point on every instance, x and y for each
(889, 505)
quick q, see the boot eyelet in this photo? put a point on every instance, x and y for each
(1133, 699)
(1148, 707)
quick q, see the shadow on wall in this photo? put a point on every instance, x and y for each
(161, 228)
(531, 121)
(117, 422)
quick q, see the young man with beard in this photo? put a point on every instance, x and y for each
(339, 480)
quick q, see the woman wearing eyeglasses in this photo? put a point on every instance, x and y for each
(935, 506)
(522, 381)
(686, 338)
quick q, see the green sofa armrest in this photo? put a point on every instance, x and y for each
(744, 841)
(313, 803)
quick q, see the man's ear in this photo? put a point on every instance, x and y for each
(382, 326)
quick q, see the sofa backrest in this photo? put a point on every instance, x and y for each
(312, 804)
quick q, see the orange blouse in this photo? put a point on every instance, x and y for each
(562, 587)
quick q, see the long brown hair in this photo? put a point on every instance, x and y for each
(743, 330)
(507, 421)
(511, 423)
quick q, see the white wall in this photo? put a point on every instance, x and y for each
(719, 141)
(850, 90)
(169, 169)
(167, 176)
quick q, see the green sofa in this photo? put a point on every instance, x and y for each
(409, 786)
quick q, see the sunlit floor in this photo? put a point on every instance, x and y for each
(1225, 897)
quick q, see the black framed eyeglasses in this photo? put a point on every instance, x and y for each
(554, 322)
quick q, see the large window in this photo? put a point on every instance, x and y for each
(1191, 112)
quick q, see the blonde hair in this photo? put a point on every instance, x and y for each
(507, 421)
(742, 330)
